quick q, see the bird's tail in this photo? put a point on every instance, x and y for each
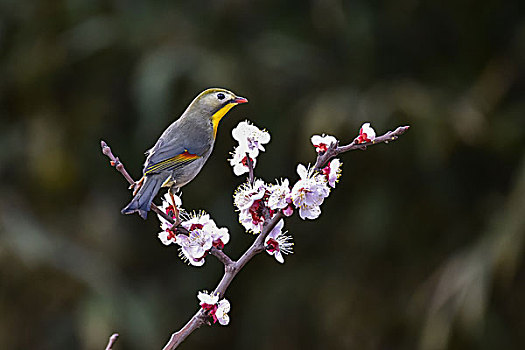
(142, 201)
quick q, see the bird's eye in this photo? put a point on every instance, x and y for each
(220, 96)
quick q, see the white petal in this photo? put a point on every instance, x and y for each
(224, 305)
(224, 320)
(276, 230)
(279, 257)
(369, 131)
(316, 140)
(163, 236)
(309, 212)
(240, 169)
(301, 170)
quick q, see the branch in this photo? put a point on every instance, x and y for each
(221, 256)
(115, 162)
(334, 150)
(249, 163)
(231, 269)
(112, 341)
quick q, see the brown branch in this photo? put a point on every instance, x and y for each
(232, 268)
(112, 341)
(334, 150)
(221, 256)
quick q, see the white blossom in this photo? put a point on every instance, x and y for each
(366, 134)
(251, 201)
(207, 298)
(246, 194)
(203, 235)
(332, 172)
(309, 193)
(251, 140)
(167, 235)
(195, 246)
(221, 314)
(216, 309)
(280, 195)
(250, 137)
(278, 243)
(239, 160)
(321, 143)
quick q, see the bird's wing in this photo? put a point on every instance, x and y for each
(170, 152)
(170, 156)
(170, 163)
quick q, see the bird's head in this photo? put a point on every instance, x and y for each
(215, 103)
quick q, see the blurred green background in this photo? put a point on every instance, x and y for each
(419, 247)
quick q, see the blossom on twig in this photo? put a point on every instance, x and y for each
(221, 314)
(278, 243)
(207, 299)
(332, 172)
(309, 193)
(203, 235)
(251, 140)
(251, 201)
(321, 143)
(216, 309)
(366, 134)
(281, 197)
(239, 161)
(168, 234)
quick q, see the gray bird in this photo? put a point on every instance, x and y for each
(183, 148)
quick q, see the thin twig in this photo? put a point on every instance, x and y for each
(334, 149)
(249, 163)
(112, 341)
(115, 162)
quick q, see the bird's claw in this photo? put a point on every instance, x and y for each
(176, 213)
(137, 185)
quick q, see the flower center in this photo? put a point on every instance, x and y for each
(322, 147)
(272, 245)
(196, 227)
(171, 233)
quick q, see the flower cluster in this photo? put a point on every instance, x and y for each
(309, 192)
(203, 235)
(202, 232)
(252, 202)
(216, 309)
(258, 202)
(251, 140)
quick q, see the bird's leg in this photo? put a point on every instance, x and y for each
(175, 209)
(137, 185)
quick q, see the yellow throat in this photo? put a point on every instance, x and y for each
(217, 116)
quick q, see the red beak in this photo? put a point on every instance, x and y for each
(240, 100)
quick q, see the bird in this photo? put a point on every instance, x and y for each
(181, 151)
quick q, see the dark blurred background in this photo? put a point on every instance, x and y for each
(419, 247)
